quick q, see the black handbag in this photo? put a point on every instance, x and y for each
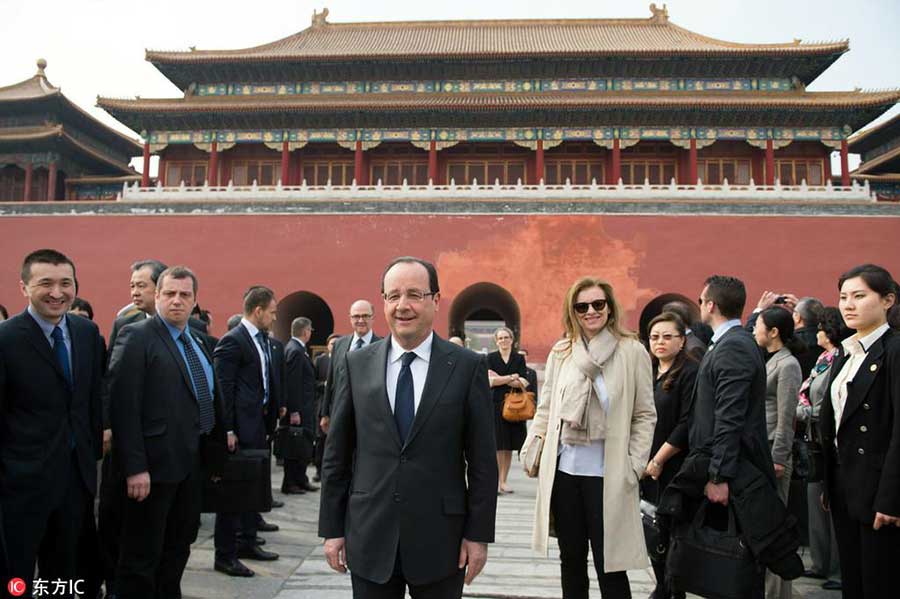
(709, 561)
(816, 459)
(296, 443)
(656, 534)
(245, 484)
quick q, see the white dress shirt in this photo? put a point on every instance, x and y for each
(856, 350)
(586, 460)
(367, 339)
(251, 328)
(418, 367)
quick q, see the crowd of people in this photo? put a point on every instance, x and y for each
(708, 419)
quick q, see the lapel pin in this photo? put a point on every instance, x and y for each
(873, 367)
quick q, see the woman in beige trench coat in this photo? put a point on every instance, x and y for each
(595, 418)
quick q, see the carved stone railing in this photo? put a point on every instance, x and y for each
(724, 192)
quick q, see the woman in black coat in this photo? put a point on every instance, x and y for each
(674, 371)
(860, 425)
(506, 371)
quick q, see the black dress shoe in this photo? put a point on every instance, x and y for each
(233, 568)
(293, 490)
(266, 526)
(255, 552)
(276, 503)
(832, 585)
(813, 574)
(308, 486)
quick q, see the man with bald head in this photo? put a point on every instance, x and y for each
(361, 314)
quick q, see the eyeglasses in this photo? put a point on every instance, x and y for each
(597, 305)
(666, 337)
(360, 316)
(413, 295)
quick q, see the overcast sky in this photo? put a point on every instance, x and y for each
(96, 47)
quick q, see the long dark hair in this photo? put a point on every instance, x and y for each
(783, 320)
(680, 358)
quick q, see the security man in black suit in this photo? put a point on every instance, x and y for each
(166, 414)
(300, 397)
(728, 415)
(51, 367)
(323, 366)
(410, 473)
(249, 371)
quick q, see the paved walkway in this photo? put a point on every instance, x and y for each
(512, 571)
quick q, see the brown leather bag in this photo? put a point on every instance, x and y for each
(518, 406)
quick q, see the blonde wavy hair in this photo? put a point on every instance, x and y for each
(614, 320)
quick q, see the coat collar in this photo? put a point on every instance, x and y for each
(163, 331)
(858, 388)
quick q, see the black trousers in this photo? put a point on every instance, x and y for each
(109, 520)
(868, 557)
(577, 508)
(395, 588)
(227, 527)
(294, 474)
(46, 532)
(156, 538)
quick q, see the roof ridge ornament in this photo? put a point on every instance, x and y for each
(41, 65)
(660, 16)
(320, 19)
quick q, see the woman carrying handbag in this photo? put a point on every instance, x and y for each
(594, 423)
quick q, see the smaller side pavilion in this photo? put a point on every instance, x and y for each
(50, 149)
(880, 166)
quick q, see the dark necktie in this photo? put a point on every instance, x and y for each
(201, 384)
(404, 398)
(61, 355)
(264, 344)
(359, 343)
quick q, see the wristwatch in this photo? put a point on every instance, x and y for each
(717, 480)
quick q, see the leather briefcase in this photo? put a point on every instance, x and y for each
(710, 561)
(296, 443)
(245, 485)
(518, 406)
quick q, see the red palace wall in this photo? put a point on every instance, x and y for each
(535, 258)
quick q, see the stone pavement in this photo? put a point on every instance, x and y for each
(512, 571)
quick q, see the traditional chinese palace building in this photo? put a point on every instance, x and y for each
(515, 154)
(50, 149)
(880, 150)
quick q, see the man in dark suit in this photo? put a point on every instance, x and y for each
(300, 397)
(51, 367)
(361, 314)
(249, 371)
(729, 394)
(728, 418)
(144, 275)
(410, 471)
(164, 413)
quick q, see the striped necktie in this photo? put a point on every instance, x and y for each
(201, 384)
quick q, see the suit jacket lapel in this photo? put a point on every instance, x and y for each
(378, 369)
(858, 388)
(440, 367)
(39, 341)
(254, 352)
(163, 331)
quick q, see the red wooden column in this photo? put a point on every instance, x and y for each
(845, 165)
(616, 162)
(51, 182)
(145, 174)
(432, 162)
(692, 163)
(358, 163)
(29, 175)
(770, 162)
(299, 177)
(539, 161)
(213, 175)
(285, 163)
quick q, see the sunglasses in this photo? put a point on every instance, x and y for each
(597, 305)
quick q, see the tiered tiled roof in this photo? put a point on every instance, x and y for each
(36, 96)
(483, 41)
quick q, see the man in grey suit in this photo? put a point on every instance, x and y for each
(410, 475)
